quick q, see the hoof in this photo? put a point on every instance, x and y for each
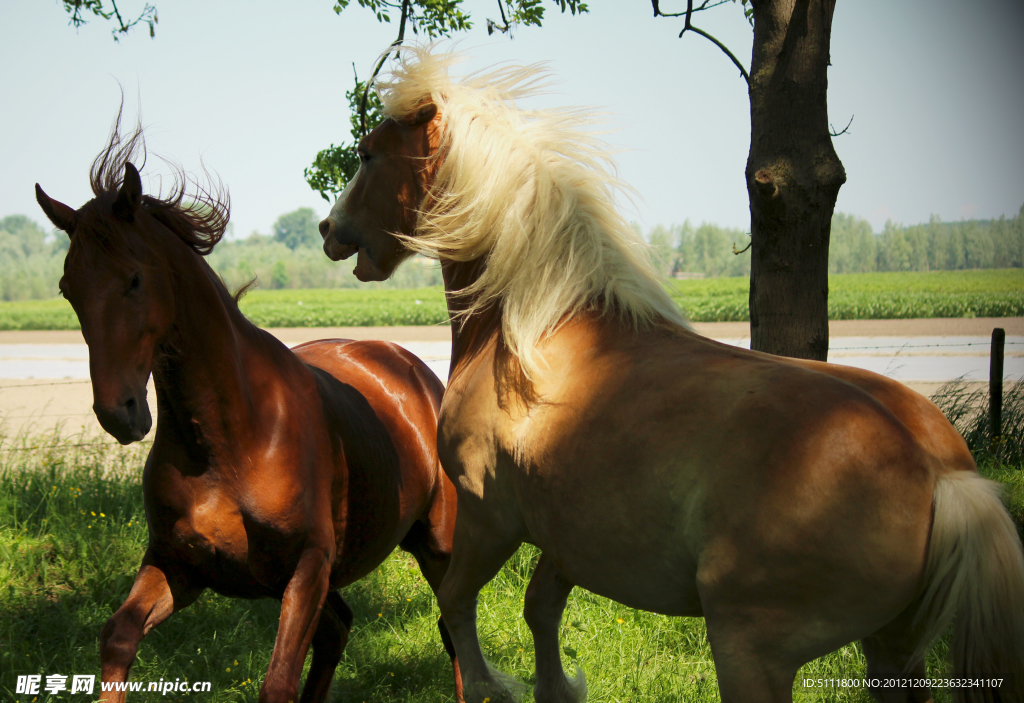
(568, 690)
(497, 688)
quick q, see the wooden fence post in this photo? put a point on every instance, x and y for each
(995, 385)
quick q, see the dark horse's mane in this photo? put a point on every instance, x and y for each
(198, 218)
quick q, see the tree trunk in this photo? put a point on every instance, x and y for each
(793, 177)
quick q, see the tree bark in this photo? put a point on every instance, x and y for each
(793, 177)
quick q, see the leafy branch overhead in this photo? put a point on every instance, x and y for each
(528, 13)
(435, 18)
(77, 9)
(335, 166)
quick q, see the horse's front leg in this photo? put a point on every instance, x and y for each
(300, 616)
(158, 592)
(478, 553)
(545, 601)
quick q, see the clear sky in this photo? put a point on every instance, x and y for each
(254, 89)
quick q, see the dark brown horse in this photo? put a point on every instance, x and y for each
(273, 473)
(797, 506)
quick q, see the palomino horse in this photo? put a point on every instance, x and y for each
(272, 473)
(790, 503)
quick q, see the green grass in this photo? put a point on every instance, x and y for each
(346, 307)
(72, 532)
(982, 293)
(873, 296)
(53, 314)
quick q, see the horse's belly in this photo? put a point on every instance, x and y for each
(650, 589)
(628, 545)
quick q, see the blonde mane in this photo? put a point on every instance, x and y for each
(533, 193)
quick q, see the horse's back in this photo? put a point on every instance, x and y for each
(368, 363)
(380, 405)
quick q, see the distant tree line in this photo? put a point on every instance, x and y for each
(709, 250)
(292, 256)
(32, 258)
(706, 249)
(935, 246)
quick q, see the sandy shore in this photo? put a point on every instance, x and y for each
(39, 404)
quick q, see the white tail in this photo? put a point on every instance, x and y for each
(975, 576)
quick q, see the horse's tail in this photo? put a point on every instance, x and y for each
(975, 575)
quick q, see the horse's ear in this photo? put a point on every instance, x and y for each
(130, 195)
(60, 214)
(423, 115)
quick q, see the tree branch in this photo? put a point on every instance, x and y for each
(504, 26)
(703, 6)
(688, 25)
(720, 45)
(148, 15)
(380, 64)
(75, 8)
(832, 132)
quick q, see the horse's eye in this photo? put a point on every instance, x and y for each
(363, 156)
(136, 282)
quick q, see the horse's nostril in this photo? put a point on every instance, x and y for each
(130, 403)
(325, 228)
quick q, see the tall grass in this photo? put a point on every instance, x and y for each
(968, 410)
(1000, 458)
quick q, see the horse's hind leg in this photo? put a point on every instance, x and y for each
(156, 594)
(751, 658)
(545, 601)
(329, 642)
(478, 554)
(432, 547)
(891, 652)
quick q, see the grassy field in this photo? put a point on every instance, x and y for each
(873, 296)
(72, 532)
(980, 293)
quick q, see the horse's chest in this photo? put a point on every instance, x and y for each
(209, 537)
(207, 529)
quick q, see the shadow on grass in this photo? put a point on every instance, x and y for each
(72, 535)
(396, 655)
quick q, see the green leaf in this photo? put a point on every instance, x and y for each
(335, 166)
(332, 169)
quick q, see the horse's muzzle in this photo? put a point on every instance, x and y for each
(337, 246)
(128, 421)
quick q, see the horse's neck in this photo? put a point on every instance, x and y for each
(469, 333)
(203, 369)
